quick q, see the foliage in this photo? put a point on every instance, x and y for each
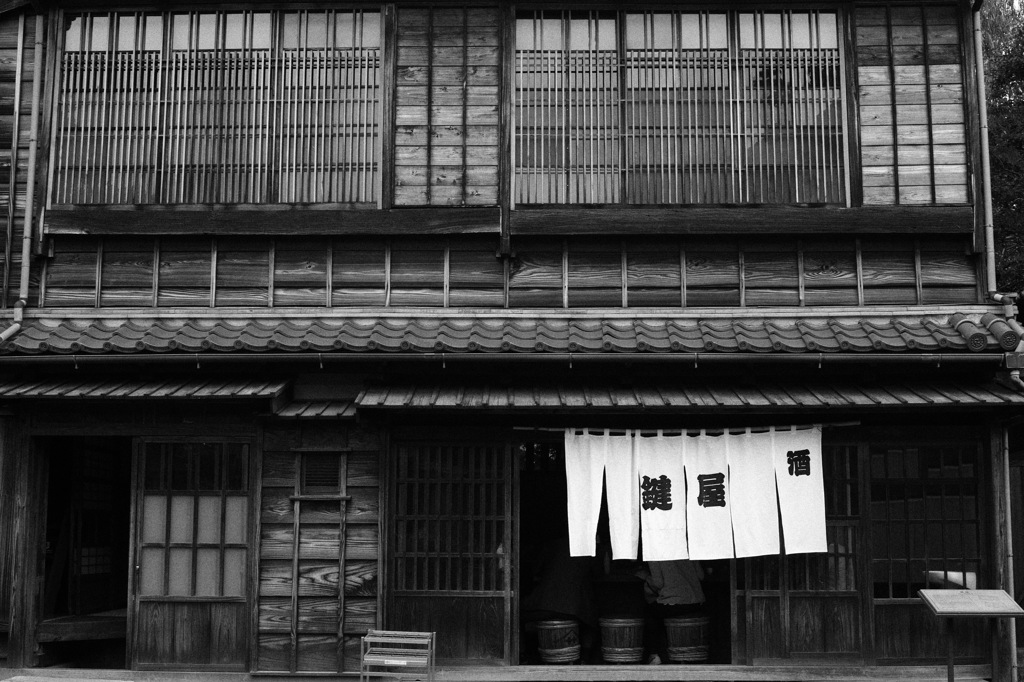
(1003, 26)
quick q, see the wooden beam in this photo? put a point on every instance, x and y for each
(813, 672)
(573, 220)
(11, 5)
(287, 221)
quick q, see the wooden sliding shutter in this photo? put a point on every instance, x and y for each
(190, 607)
(446, 107)
(451, 551)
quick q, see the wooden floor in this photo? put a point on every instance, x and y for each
(609, 673)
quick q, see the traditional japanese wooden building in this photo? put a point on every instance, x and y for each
(298, 299)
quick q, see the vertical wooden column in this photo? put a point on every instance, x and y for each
(1004, 646)
(23, 528)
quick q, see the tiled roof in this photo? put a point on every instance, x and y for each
(318, 409)
(695, 396)
(100, 389)
(510, 334)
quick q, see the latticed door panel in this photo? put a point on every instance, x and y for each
(808, 605)
(451, 542)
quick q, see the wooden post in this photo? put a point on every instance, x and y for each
(27, 521)
(1004, 648)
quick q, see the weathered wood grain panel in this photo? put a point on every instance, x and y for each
(275, 614)
(535, 274)
(317, 578)
(824, 625)
(446, 616)
(319, 541)
(830, 269)
(361, 578)
(274, 652)
(320, 512)
(275, 578)
(448, 78)
(277, 541)
(318, 615)
(361, 542)
(913, 633)
(359, 273)
(300, 272)
(363, 505)
(73, 265)
(364, 467)
(192, 634)
(154, 622)
(360, 614)
(764, 628)
(278, 467)
(317, 653)
(335, 592)
(911, 83)
(229, 634)
(542, 272)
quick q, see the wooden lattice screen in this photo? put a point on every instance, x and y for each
(679, 108)
(452, 555)
(219, 107)
(809, 604)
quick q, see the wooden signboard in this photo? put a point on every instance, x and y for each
(963, 603)
(954, 603)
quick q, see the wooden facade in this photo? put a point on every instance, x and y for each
(299, 299)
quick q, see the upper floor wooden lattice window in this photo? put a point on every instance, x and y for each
(679, 108)
(219, 108)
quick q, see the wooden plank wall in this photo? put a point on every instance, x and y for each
(17, 37)
(446, 107)
(112, 272)
(911, 89)
(316, 598)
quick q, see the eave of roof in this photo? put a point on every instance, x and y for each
(855, 333)
(694, 397)
(135, 389)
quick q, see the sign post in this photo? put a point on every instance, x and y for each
(950, 604)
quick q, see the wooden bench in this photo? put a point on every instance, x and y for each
(395, 654)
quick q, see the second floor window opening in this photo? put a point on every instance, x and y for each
(679, 108)
(219, 108)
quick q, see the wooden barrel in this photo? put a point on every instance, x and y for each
(622, 639)
(558, 641)
(687, 638)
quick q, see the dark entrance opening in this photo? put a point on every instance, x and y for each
(88, 518)
(557, 588)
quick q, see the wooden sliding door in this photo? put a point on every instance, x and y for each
(451, 545)
(809, 606)
(190, 607)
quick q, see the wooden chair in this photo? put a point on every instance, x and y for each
(395, 654)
